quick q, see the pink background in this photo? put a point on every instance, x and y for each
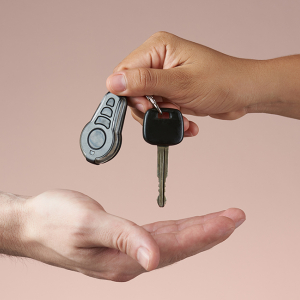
(54, 59)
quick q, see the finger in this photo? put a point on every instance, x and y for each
(117, 233)
(189, 127)
(151, 54)
(139, 106)
(193, 239)
(159, 51)
(158, 225)
(235, 214)
(167, 83)
(193, 130)
(140, 103)
(195, 234)
(230, 115)
(137, 115)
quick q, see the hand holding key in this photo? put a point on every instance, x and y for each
(201, 81)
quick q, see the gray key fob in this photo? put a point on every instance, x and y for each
(101, 138)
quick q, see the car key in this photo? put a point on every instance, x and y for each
(163, 130)
(101, 138)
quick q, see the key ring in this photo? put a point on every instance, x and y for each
(152, 100)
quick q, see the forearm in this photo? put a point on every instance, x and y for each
(278, 89)
(12, 218)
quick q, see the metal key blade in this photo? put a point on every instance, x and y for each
(162, 173)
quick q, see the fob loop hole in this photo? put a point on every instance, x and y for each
(164, 115)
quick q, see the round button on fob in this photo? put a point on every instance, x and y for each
(96, 139)
(101, 138)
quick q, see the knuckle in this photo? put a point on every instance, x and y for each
(83, 219)
(122, 241)
(119, 67)
(145, 78)
(82, 225)
(124, 237)
(162, 35)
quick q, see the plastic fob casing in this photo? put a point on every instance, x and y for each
(101, 138)
(161, 131)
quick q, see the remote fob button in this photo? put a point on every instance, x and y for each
(103, 121)
(106, 111)
(110, 102)
(96, 139)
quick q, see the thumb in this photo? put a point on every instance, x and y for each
(146, 81)
(129, 238)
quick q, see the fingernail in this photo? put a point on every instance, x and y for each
(140, 107)
(118, 83)
(239, 223)
(143, 257)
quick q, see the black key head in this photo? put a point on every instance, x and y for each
(164, 129)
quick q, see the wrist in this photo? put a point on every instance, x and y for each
(276, 88)
(12, 224)
(252, 87)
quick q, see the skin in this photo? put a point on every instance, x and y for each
(203, 82)
(70, 230)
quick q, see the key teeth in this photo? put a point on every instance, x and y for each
(162, 173)
(165, 199)
(159, 187)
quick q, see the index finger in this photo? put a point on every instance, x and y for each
(153, 53)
